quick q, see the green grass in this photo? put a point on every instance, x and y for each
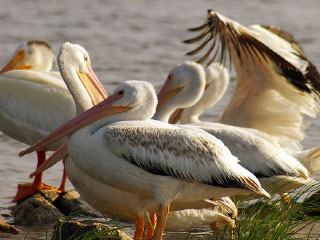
(271, 219)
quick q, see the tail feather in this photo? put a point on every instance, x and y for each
(310, 159)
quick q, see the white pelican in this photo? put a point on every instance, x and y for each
(117, 144)
(33, 102)
(189, 73)
(273, 74)
(217, 81)
(111, 201)
(269, 162)
(32, 55)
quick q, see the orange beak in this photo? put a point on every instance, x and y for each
(94, 87)
(12, 64)
(52, 160)
(97, 94)
(95, 113)
(176, 116)
(178, 113)
(165, 95)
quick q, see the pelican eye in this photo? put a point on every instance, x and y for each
(121, 92)
(86, 58)
(21, 53)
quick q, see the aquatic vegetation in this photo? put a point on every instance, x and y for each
(272, 219)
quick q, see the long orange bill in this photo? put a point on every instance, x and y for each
(59, 154)
(95, 113)
(97, 93)
(12, 64)
(93, 86)
(174, 118)
(165, 95)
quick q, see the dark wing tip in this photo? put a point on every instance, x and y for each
(212, 28)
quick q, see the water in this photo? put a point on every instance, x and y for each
(137, 39)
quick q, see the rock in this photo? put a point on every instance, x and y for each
(71, 205)
(36, 210)
(68, 203)
(5, 227)
(49, 195)
(76, 230)
(311, 205)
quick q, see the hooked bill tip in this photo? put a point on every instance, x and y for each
(21, 154)
(32, 175)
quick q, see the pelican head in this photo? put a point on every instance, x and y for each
(217, 81)
(75, 68)
(140, 96)
(184, 87)
(217, 71)
(33, 55)
(132, 100)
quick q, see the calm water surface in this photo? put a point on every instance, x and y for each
(134, 40)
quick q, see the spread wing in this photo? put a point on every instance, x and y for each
(273, 74)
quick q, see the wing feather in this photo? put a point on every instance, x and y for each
(257, 154)
(270, 42)
(273, 74)
(192, 156)
(33, 106)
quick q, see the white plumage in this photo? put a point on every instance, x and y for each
(273, 74)
(257, 153)
(137, 155)
(33, 102)
(217, 81)
(109, 200)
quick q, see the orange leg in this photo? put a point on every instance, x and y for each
(62, 187)
(285, 199)
(139, 228)
(27, 189)
(162, 216)
(151, 226)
